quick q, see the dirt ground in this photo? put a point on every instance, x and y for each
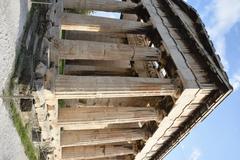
(12, 19)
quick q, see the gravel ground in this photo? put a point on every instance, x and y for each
(12, 19)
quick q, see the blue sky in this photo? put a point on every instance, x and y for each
(218, 136)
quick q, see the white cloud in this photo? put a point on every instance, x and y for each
(195, 155)
(106, 14)
(235, 81)
(223, 15)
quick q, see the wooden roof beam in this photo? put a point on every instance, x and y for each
(100, 136)
(96, 36)
(101, 5)
(96, 70)
(94, 152)
(70, 21)
(89, 50)
(102, 117)
(124, 157)
(70, 87)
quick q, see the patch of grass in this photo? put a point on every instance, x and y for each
(61, 103)
(22, 131)
(29, 149)
(62, 34)
(28, 146)
(62, 61)
(61, 66)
